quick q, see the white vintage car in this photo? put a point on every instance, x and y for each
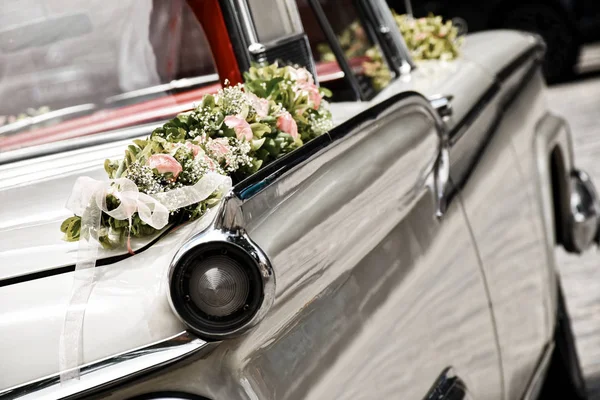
(405, 253)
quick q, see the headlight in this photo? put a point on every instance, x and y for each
(221, 284)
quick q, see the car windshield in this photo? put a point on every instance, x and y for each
(70, 68)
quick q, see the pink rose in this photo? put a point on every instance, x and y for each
(420, 36)
(260, 105)
(360, 33)
(313, 94)
(240, 126)
(164, 163)
(286, 124)
(210, 163)
(301, 75)
(193, 147)
(220, 147)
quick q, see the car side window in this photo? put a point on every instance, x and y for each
(59, 63)
(186, 54)
(358, 42)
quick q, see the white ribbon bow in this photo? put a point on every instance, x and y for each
(88, 200)
(90, 191)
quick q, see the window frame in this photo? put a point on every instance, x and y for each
(376, 17)
(246, 41)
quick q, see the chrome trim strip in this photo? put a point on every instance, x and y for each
(256, 182)
(254, 46)
(535, 384)
(17, 126)
(165, 88)
(113, 370)
(75, 143)
(387, 27)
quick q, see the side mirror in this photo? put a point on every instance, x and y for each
(585, 213)
(43, 32)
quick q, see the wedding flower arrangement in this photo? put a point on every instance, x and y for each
(233, 133)
(428, 38)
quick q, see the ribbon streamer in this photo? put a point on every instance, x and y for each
(88, 200)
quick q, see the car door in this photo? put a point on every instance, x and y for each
(492, 161)
(376, 296)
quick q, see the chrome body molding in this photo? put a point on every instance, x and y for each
(29, 154)
(114, 370)
(535, 385)
(70, 112)
(184, 83)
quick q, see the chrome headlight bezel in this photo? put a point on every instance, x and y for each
(240, 247)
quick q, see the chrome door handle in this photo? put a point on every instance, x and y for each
(442, 178)
(442, 104)
(448, 386)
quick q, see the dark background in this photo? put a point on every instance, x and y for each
(565, 25)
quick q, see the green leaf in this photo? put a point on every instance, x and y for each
(111, 167)
(134, 150)
(257, 143)
(140, 143)
(212, 202)
(272, 84)
(262, 153)
(325, 92)
(258, 129)
(120, 169)
(245, 111)
(112, 202)
(105, 242)
(183, 120)
(175, 134)
(130, 155)
(272, 147)
(208, 101)
(269, 119)
(158, 132)
(227, 132)
(256, 164)
(256, 87)
(120, 223)
(65, 224)
(71, 228)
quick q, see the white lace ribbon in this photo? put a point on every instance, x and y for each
(88, 200)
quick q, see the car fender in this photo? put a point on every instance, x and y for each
(553, 151)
